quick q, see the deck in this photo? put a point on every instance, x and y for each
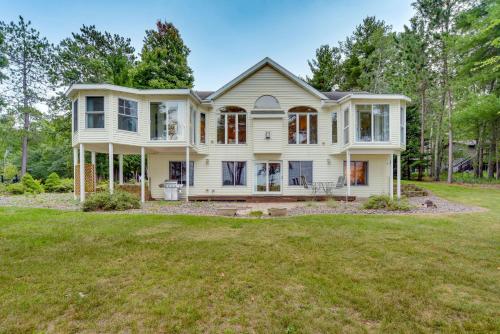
(268, 199)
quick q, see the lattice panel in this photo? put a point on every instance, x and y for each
(90, 178)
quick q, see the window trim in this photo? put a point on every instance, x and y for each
(356, 120)
(204, 128)
(234, 181)
(297, 126)
(95, 112)
(300, 171)
(119, 114)
(336, 127)
(220, 113)
(402, 124)
(367, 177)
(347, 125)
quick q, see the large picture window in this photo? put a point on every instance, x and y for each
(372, 122)
(127, 115)
(75, 116)
(95, 112)
(177, 171)
(234, 173)
(167, 120)
(232, 126)
(298, 171)
(359, 173)
(302, 125)
(334, 128)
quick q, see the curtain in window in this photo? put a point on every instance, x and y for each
(381, 122)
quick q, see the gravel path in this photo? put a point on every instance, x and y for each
(66, 202)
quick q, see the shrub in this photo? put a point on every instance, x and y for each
(16, 189)
(65, 186)
(257, 213)
(384, 202)
(52, 183)
(105, 201)
(9, 172)
(31, 185)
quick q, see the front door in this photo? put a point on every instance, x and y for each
(267, 177)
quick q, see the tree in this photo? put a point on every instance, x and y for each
(91, 56)
(326, 69)
(163, 61)
(28, 55)
(3, 63)
(367, 52)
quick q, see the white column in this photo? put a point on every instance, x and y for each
(92, 161)
(348, 172)
(120, 168)
(391, 176)
(143, 175)
(75, 162)
(187, 173)
(82, 173)
(398, 171)
(111, 171)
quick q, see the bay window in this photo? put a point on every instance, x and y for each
(127, 115)
(299, 171)
(302, 125)
(359, 173)
(234, 173)
(167, 120)
(177, 171)
(202, 128)
(232, 126)
(95, 112)
(372, 122)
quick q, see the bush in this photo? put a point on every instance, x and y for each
(16, 189)
(31, 185)
(9, 171)
(104, 201)
(65, 186)
(52, 183)
(384, 202)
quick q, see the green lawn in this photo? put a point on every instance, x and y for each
(74, 272)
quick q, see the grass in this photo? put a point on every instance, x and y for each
(86, 272)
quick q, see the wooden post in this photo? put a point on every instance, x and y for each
(348, 172)
(82, 173)
(187, 173)
(111, 171)
(93, 161)
(75, 162)
(391, 176)
(120, 169)
(398, 171)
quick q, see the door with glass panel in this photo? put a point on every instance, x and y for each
(268, 177)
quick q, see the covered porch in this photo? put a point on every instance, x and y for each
(111, 149)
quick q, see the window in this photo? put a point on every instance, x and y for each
(75, 116)
(234, 173)
(297, 170)
(359, 173)
(192, 126)
(232, 126)
(127, 115)
(372, 122)
(178, 172)
(402, 119)
(95, 112)
(167, 120)
(267, 102)
(302, 126)
(334, 128)
(202, 128)
(346, 126)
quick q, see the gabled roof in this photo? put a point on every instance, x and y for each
(266, 61)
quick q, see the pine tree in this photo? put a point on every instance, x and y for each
(163, 61)
(326, 69)
(28, 55)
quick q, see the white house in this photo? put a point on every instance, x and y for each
(262, 134)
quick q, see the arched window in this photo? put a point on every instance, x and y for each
(267, 102)
(232, 125)
(302, 125)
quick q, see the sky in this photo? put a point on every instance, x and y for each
(225, 37)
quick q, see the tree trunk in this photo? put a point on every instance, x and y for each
(26, 125)
(492, 153)
(481, 158)
(450, 139)
(422, 131)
